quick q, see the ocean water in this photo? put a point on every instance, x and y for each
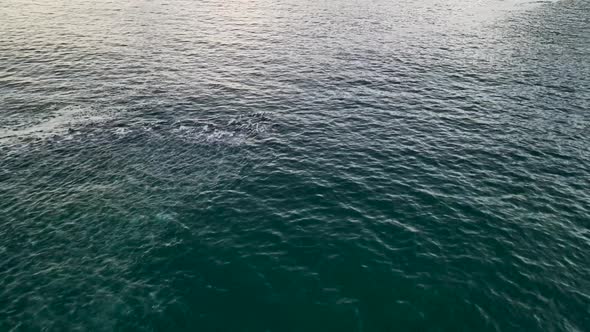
(295, 165)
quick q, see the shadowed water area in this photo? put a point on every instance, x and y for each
(295, 165)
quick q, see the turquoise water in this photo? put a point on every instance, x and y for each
(294, 165)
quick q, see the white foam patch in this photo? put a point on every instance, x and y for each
(237, 131)
(56, 123)
(71, 123)
(201, 134)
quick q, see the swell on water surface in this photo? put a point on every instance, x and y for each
(294, 165)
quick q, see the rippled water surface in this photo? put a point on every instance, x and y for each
(295, 165)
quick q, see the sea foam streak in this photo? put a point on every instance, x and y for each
(58, 123)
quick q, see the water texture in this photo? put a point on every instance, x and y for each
(294, 165)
